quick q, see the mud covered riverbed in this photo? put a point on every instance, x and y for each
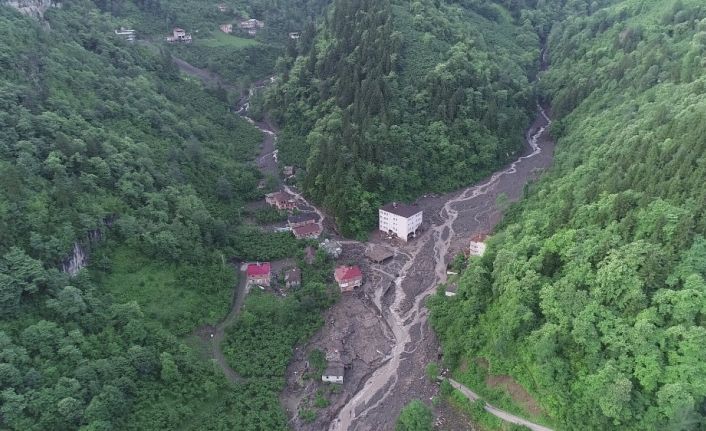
(386, 321)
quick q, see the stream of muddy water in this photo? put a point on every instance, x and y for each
(407, 316)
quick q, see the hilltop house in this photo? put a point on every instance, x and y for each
(309, 231)
(259, 274)
(251, 26)
(126, 33)
(179, 35)
(295, 35)
(226, 28)
(222, 8)
(281, 200)
(293, 278)
(477, 245)
(400, 219)
(348, 278)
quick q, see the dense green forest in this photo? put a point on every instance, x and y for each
(592, 293)
(388, 99)
(100, 135)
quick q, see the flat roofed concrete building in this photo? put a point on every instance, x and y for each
(400, 219)
(477, 245)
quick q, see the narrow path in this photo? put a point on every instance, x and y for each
(213, 336)
(507, 417)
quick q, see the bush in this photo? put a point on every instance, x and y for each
(416, 416)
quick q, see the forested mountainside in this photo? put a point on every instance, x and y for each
(390, 99)
(96, 132)
(592, 294)
(240, 58)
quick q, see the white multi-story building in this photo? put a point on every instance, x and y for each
(477, 246)
(400, 219)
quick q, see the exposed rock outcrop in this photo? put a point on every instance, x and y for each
(33, 8)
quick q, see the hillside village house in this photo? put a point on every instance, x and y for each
(288, 171)
(127, 34)
(293, 278)
(302, 219)
(179, 35)
(294, 35)
(309, 231)
(251, 26)
(281, 200)
(477, 246)
(348, 278)
(400, 219)
(334, 373)
(222, 8)
(226, 28)
(259, 274)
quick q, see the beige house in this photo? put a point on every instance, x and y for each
(281, 200)
(251, 26)
(226, 28)
(179, 35)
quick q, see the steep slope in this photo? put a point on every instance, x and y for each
(95, 129)
(592, 295)
(388, 99)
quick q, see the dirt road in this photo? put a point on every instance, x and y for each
(212, 336)
(507, 417)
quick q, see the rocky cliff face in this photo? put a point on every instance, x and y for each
(33, 8)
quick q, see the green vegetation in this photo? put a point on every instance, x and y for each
(103, 136)
(181, 297)
(317, 362)
(392, 98)
(591, 294)
(221, 39)
(260, 343)
(239, 58)
(270, 215)
(415, 416)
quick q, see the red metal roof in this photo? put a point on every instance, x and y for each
(345, 273)
(257, 269)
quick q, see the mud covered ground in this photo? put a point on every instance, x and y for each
(382, 329)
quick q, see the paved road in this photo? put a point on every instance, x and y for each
(507, 417)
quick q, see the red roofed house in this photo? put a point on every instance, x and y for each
(281, 200)
(348, 278)
(309, 231)
(477, 246)
(259, 274)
